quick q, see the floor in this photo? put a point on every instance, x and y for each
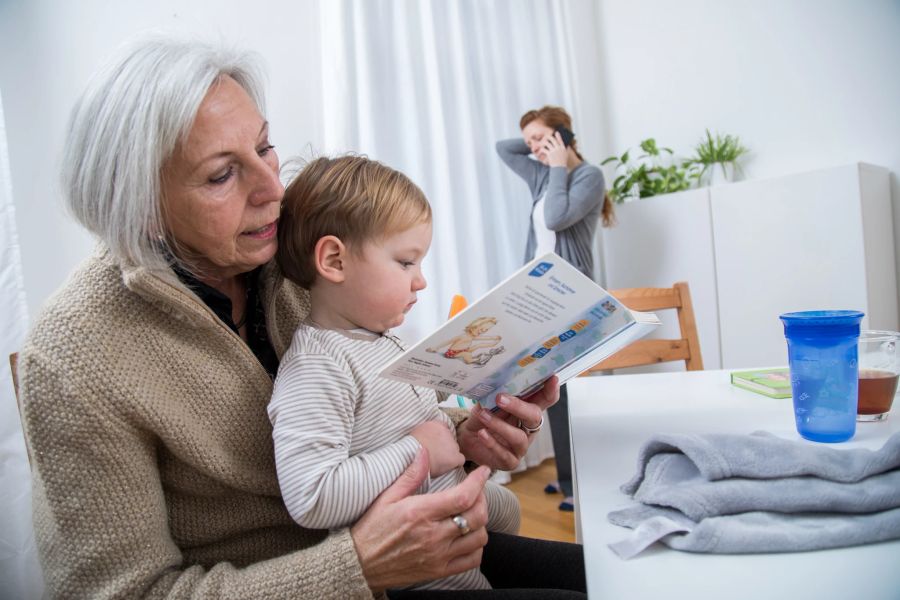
(540, 516)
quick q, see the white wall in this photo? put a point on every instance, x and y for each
(806, 84)
(49, 50)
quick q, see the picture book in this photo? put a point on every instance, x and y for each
(775, 383)
(546, 318)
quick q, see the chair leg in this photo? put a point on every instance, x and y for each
(688, 325)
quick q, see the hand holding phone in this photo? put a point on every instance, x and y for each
(566, 135)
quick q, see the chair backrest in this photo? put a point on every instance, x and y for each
(648, 352)
(14, 371)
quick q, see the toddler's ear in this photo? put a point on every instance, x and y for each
(329, 258)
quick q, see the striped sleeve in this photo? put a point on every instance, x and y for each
(312, 412)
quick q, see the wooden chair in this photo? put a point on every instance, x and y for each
(648, 352)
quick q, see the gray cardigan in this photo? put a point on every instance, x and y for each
(572, 207)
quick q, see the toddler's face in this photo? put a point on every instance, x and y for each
(384, 278)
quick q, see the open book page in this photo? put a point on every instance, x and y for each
(546, 318)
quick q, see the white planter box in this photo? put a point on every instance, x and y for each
(659, 241)
(818, 240)
(753, 250)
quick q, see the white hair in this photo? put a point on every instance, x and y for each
(125, 126)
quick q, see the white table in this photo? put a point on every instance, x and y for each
(612, 416)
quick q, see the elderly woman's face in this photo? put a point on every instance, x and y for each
(221, 188)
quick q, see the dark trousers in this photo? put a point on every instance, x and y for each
(559, 427)
(520, 568)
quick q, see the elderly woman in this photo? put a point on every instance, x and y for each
(146, 379)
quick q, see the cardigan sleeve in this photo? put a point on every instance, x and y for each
(515, 153)
(100, 515)
(568, 202)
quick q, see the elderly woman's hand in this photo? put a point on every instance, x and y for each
(403, 538)
(499, 440)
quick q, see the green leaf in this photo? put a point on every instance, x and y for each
(649, 146)
(718, 148)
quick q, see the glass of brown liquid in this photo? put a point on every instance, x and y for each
(879, 368)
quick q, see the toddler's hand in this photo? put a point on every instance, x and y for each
(443, 452)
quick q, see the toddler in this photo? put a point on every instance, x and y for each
(354, 232)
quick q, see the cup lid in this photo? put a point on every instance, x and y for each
(822, 323)
(822, 317)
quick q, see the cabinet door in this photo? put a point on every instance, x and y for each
(785, 244)
(659, 241)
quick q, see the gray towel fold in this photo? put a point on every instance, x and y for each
(761, 455)
(759, 493)
(750, 532)
(674, 480)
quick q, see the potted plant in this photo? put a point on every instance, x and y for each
(649, 175)
(717, 157)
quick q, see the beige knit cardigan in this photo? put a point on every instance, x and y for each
(153, 468)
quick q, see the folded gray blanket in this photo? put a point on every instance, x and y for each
(759, 493)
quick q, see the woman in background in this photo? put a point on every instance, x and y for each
(568, 199)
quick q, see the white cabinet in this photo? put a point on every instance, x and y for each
(753, 250)
(818, 240)
(659, 241)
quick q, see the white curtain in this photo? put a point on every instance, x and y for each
(428, 87)
(20, 574)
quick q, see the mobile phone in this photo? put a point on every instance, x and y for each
(566, 135)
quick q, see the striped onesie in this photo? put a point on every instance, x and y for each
(341, 434)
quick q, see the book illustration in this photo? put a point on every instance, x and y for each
(557, 350)
(457, 304)
(776, 376)
(775, 383)
(545, 319)
(471, 346)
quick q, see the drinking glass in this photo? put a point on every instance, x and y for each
(822, 356)
(879, 368)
